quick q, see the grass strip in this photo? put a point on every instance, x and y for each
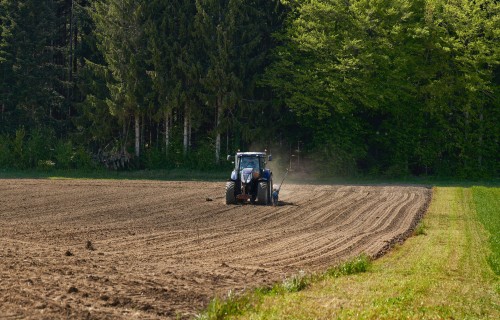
(162, 175)
(222, 174)
(442, 273)
(234, 305)
(487, 201)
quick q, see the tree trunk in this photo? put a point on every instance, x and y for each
(167, 132)
(125, 132)
(143, 132)
(190, 130)
(137, 135)
(75, 45)
(70, 62)
(186, 129)
(217, 139)
(480, 156)
(70, 42)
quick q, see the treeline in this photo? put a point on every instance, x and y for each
(373, 87)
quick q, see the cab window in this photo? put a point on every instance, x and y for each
(249, 162)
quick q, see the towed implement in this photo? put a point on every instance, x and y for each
(250, 179)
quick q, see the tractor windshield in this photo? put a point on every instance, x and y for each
(250, 162)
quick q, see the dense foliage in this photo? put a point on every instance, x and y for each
(375, 87)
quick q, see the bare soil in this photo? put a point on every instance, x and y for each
(96, 249)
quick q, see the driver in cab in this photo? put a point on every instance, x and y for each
(250, 163)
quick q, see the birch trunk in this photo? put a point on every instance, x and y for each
(137, 135)
(167, 132)
(143, 130)
(217, 139)
(190, 130)
(186, 129)
(124, 136)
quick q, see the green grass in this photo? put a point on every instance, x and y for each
(487, 201)
(409, 180)
(420, 229)
(234, 305)
(223, 174)
(443, 274)
(167, 175)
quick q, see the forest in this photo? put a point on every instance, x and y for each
(357, 87)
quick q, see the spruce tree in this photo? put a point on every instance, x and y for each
(31, 72)
(235, 35)
(120, 31)
(216, 27)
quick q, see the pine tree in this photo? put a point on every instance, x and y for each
(120, 31)
(256, 116)
(6, 61)
(235, 35)
(217, 29)
(174, 64)
(31, 71)
(161, 28)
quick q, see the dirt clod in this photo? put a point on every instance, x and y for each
(89, 246)
(146, 307)
(40, 305)
(72, 289)
(104, 297)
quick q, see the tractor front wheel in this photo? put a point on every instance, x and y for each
(230, 196)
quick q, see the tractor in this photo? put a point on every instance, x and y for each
(250, 179)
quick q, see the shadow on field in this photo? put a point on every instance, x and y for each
(285, 203)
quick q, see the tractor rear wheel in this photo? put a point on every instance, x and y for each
(230, 197)
(263, 193)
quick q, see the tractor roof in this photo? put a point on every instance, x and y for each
(251, 154)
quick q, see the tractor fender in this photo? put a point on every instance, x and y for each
(267, 175)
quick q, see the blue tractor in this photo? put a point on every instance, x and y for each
(250, 179)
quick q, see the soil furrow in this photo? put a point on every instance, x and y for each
(105, 249)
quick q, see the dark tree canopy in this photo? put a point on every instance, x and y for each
(360, 87)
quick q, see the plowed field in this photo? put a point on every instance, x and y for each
(142, 249)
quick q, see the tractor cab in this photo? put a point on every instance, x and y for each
(249, 178)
